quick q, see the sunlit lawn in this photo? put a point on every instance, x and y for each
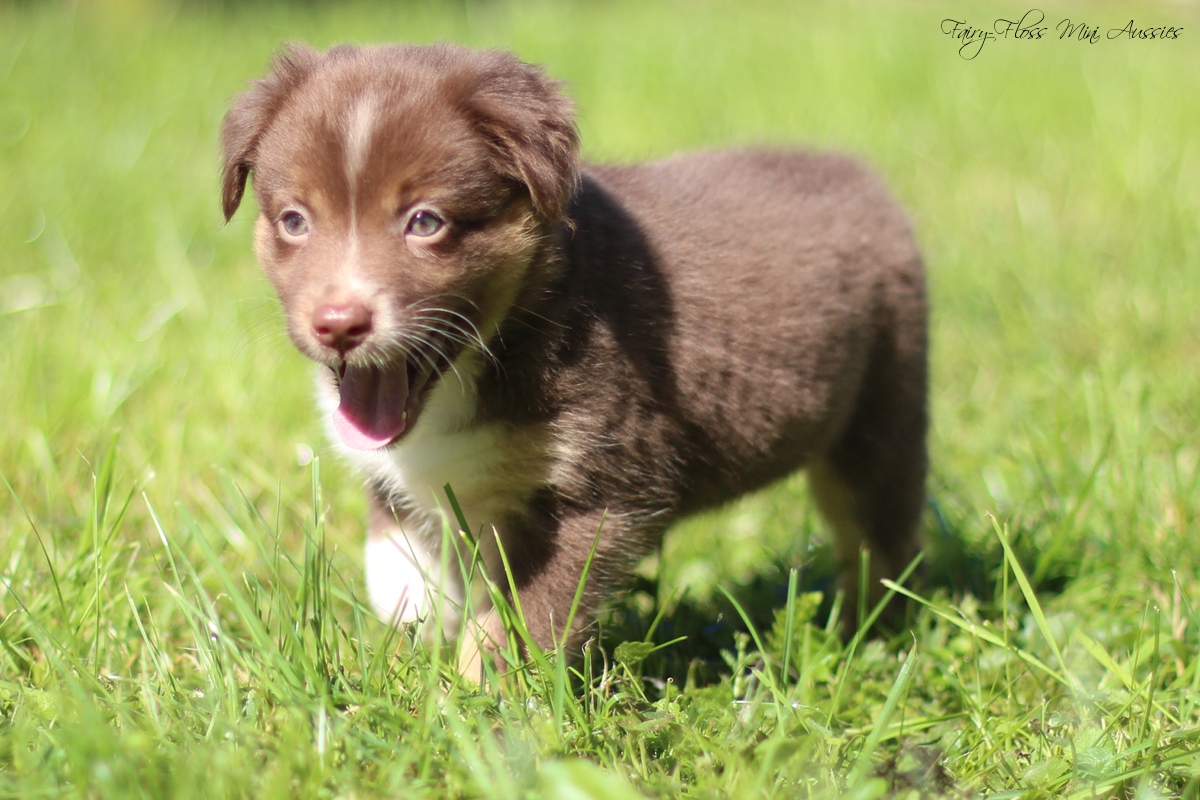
(179, 574)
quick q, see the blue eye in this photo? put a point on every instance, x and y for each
(293, 224)
(424, 223)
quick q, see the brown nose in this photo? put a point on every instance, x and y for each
(342, 326)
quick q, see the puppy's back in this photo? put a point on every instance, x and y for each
(755, 286)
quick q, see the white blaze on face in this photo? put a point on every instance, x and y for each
(360, 128)
(373, 399)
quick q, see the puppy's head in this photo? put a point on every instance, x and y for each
(403, 192)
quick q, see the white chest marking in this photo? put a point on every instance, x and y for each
(492, 468)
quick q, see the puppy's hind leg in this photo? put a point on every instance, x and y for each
(870, 485)
(889, 550)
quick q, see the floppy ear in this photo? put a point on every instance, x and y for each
(252, 113)
(530, 127)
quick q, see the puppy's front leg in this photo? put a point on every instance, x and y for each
(405, 580)
(547, 584)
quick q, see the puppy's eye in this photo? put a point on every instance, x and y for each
(424, 223)
(293, 225)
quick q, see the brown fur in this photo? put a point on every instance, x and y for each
(661, 338)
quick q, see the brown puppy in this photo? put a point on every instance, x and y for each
(568, 345)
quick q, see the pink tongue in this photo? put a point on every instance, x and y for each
(371, 414)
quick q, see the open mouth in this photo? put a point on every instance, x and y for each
(381, 403)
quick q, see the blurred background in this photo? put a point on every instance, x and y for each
(1054, 184)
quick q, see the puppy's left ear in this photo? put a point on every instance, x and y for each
(530, 127)
(252, 113)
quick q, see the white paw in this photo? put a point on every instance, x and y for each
(404, 582)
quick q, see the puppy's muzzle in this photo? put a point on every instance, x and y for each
(342, 326)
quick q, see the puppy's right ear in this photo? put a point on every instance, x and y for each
(252, 113)
(529, 125)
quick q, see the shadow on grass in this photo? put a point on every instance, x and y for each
(709, 627)
(955, 564)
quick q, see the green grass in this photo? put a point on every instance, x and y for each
(179, 578)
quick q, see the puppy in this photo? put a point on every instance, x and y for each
(583, 353)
